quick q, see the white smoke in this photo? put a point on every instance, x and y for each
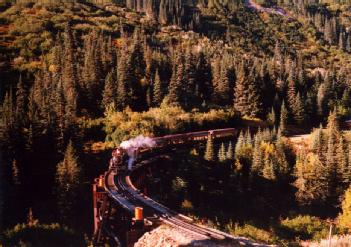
(132, 145)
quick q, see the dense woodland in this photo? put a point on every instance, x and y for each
(80, 77)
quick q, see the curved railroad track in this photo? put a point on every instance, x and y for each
(122, 190)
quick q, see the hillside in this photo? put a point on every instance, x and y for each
(79, 77)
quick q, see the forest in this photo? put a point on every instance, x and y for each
(79, 77)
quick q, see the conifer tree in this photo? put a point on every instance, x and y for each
(209, 153)
(230, 151)
(189, 87)
(175, 86)
(347, 170)
(239, 144)
(345, 216)
(157, 90)
(15, 173)
(272, 117)
(2, 189)
(283, 119)
(221, 153)
(333, 125)
(109, 93)
(257, 159)
(21, 103)
(122, 84)
(341, 159)
(68, 178)
(299, 110)
(204, 77)
(69, 74)
(268, 170)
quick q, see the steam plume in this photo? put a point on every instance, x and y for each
(133, 144)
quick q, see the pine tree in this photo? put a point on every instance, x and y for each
(268, 170)
(157, 90)
(136, 72)
(311, 179)
(257, 159)
(3, 188)
(345, 216)
(15, 173)
(221, 153)
(347, 170)
(333, 125)
(239, 144)
(122, 84)
(175, 86)
(69, 75)
(209, 153)
(204, 77)
(291, 91)
(271, 118)
(189, 87)
(230, 151)
(283, 119)
(21, 103)
(109, 93)
(299, 110)
(68, 182)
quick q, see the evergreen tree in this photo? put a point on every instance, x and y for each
(122, 84)
(157, 90)
(21, 103)
(333, 125)
(239, 144)
(230, 151)
(68, 178)
(109, 93)
(347, 170)
(175, 87)
(268, 169)
(271, 118)
(257, 159)
(209, 153)
(221, 153)
(69, 75)
(299, 110)
(15, 173)
(283, 119)
(204, 77)
(246, 96)
(345, 216)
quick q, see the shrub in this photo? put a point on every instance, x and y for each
(252, 232)
(41, 235)
(303, 227)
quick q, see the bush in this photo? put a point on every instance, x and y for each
(303, 227)
(252, 232)
(41, 235)
(159, 121)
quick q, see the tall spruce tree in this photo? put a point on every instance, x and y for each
(157, 90)
(69, 74)
(209, 152)
(175, 87)
(221, 153)
(109, 93)
(283, 119)
(68, 180)
(345, 216)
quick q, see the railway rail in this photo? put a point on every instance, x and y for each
(119, 187)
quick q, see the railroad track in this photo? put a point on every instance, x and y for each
(121, 189)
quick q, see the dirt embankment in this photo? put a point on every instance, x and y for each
(166, 236)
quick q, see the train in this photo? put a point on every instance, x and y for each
(120, 156)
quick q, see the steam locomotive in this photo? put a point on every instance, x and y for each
(120, 156)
